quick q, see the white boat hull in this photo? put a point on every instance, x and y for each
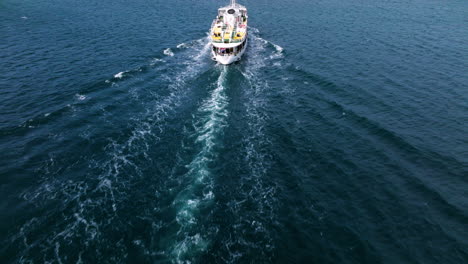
(228, 59)
(228, 33)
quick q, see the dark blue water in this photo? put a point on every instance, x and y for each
(341, 136)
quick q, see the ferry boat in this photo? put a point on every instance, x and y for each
(229, 33)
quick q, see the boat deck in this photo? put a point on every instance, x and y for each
(222, 32)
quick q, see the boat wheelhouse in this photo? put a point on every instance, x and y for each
(229, 33)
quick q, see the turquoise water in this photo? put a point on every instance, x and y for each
(340, 137)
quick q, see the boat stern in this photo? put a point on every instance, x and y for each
(225, 60)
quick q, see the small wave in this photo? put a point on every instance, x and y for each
(182, 46)
(119, 75)
(168, 52)
(277, 47)
(278, 51)
(155, 61)
(277, 54)
(80, 97)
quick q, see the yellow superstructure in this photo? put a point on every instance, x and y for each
(230, 27)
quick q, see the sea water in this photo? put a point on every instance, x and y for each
(340, 137)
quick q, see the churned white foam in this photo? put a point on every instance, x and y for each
(154, 118)
(182, 45)
(168, 52)
(158, 112)
(277, 47)
(119, 75)
(210, 122)
(254, 210)
(155, 61)
(204, 51)
(208, 195)
(80, 97)
(80, 222)
(278, 53)
(264, 41)
(24, 17)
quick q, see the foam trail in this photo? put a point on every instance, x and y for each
(153, 122)
(254, 202)
(213, 114)
(81, 219)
